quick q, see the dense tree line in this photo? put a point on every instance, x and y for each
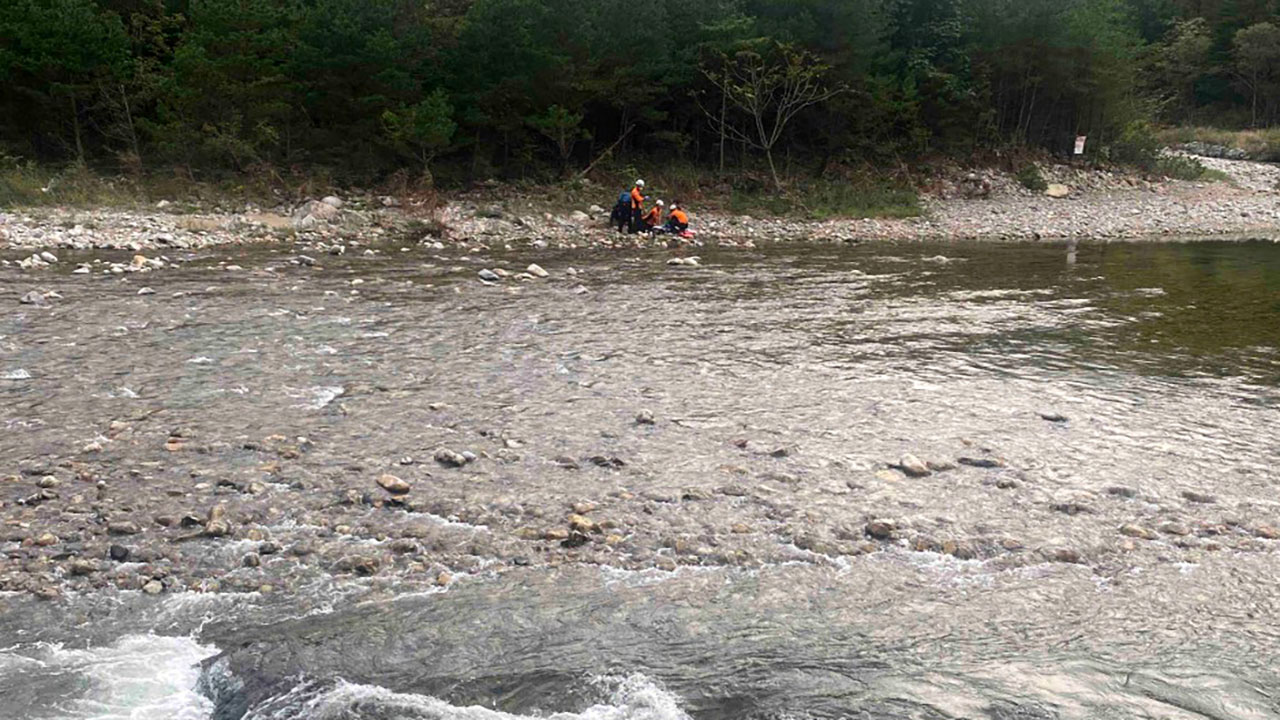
(478, 88)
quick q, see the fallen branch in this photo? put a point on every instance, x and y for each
(607, 151)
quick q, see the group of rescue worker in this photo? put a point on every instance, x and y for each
(629, 213)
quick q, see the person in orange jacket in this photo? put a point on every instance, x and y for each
(637, 205)
(677, 220)
(650, 221)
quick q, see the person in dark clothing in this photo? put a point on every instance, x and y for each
(621, 215)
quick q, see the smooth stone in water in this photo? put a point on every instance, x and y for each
(449, 458)
(881, 529)
(394, 485)
(913, 466)
(1136, 531)
(537, 271)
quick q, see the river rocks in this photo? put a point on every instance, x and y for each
(217, 524)
(1064, 555)
(889, 476)
(537, 271)
(313, 213)
(34, 297)
(566, 463)
(1057, 190)
(153, 587)
(489, 276)
(1137, 531)
(609, 462)
(984, 463)
(119, 553)
(1072, 507)
(645, 417)
(881, 529)
(913, 466)
(124, 527)
(1209, 150)
(394, 485)
(1198, 497)
(1053, 417)
(358, 564)
(81, 568)
(45, 540)
(582, 524)
(450, 458)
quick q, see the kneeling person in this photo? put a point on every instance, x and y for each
(678, 220)
(651, 219)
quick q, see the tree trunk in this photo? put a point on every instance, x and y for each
(133, 132)
(724, 106)
(777, 184)
(75, 124)
(1255, 100)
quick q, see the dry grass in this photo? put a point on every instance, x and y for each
(1263, 144)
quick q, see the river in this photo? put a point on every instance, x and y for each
(998, 481)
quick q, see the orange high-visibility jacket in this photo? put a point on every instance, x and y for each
(653, 217)
(678, 215)
(637, 198)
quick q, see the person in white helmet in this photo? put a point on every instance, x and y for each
(637, 205)
(651, 219)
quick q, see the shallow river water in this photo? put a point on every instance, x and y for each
(689, 497)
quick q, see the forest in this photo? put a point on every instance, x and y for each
(456, 91)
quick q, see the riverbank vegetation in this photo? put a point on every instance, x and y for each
(742, 96)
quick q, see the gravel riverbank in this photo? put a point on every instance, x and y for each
(1099, 205)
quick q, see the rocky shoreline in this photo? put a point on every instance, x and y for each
(1095, 205)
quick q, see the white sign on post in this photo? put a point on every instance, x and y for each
(1080, 144)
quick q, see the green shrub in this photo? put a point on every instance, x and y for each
(1032, 179)
(1138, 146)
(1179, 167)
